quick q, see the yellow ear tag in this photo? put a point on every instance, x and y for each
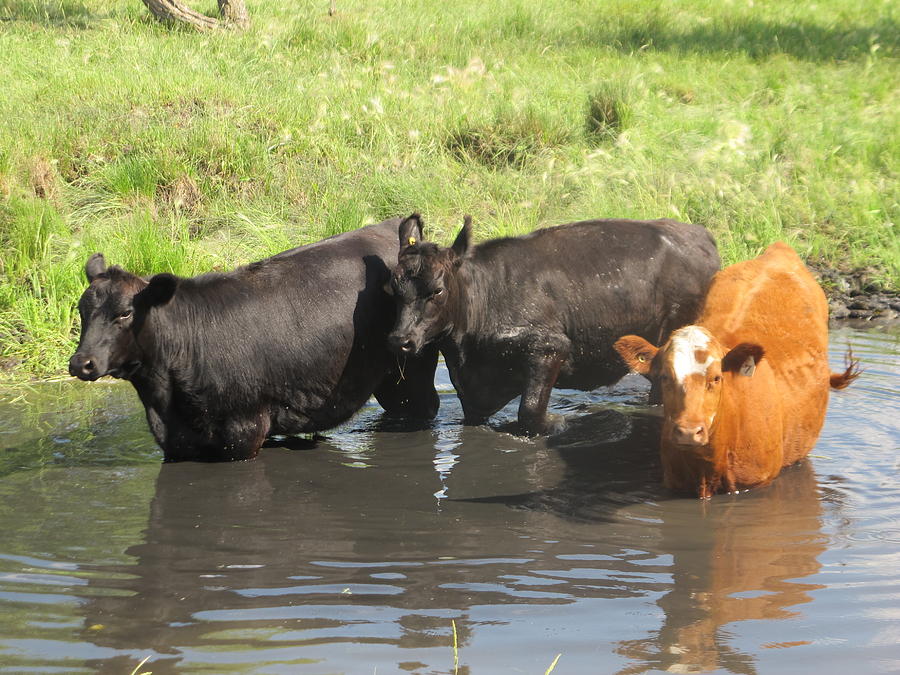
(412, 241)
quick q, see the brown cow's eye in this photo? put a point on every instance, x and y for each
(438, 292)
(124, 315)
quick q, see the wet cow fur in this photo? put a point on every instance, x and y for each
(521, 315)
(295, 343)
(746, 388)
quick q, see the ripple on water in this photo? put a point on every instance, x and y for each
(342, 559)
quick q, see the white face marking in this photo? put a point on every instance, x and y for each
(686, 342)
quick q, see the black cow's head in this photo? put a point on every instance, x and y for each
(113, 309)
(424, 285)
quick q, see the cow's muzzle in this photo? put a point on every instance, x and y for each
(84, 367)
(403, 345)
(691, 434)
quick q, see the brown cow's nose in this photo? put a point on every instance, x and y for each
(691, 434)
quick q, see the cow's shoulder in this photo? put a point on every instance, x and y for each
(772, 299)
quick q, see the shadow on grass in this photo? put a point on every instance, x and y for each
(69, 13)
(759, 39)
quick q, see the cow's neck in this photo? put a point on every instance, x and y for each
(468, 291)
(746, 438)
(166, 347)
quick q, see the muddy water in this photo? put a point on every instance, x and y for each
(360, 554)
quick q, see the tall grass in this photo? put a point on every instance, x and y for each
(172, 151)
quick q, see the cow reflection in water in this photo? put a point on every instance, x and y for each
(297, 555)
(276, 555)
(737, 558)
(741, 564)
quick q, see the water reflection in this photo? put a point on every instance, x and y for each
(735, 558)
(358, 551)
(738, 559)
(295, 550)
(301, 551)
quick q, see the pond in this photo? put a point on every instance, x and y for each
(378, 548)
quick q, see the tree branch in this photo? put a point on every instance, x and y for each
(234, 14)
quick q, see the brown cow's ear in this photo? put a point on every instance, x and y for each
(410, 231)
(159, 290)
(636, 352)
(95, 266)
(463, 240)
(742, 359)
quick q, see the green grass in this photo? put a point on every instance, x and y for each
(169, 150)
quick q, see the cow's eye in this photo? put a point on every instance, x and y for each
(438, 292)
(717, 379)
(124, 316)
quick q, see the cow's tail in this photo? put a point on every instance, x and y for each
(843, 380)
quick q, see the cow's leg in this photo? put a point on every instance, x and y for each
(238, 438)
(157, 427)
(474, 415)
(483, 384)
(479, 401)
(408, 389)
(242, 439)
(482, 391)
(543, 369)
(178, 441)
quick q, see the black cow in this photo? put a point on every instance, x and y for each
(295, 343)
(521, 315)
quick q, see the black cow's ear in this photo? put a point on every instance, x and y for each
(464, 239)
(95, 266)
(742, 359)
(158, 291)
(410, 231)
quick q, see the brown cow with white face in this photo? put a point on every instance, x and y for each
(745, 389)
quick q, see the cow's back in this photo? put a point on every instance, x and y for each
(595, 281)
(380, 238)
(586, 252)
(774, 301)
(304, 330)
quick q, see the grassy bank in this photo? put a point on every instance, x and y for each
(174, 151)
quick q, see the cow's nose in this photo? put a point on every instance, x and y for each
(402, 344)
(691, 434)
(82, 367)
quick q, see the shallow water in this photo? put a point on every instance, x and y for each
(362, 553)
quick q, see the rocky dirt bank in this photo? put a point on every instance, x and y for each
(856, 295)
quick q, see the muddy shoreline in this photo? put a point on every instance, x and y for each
(856, 296)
